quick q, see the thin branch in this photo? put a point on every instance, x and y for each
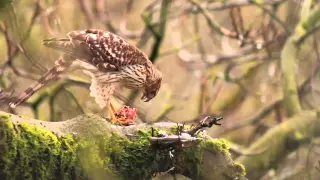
(274, 16)
(205, 122)
(98, 8)
(212, 24)
(45, 17)
(176, 49)
(19, 45)
(123, 24)
(86, 13)
(11, 54)
(254, 118)
(159, 33)
(218, 86)
(307, 34)
(164, 113)
(218, 6)
(200, 45)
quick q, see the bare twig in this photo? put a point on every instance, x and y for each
(218, 6)
(47, 14)
(307, 34)
(184, 138)
(165, 112)
(123, 24)
(159, 32)
(19, 45)
(212, 24)
(86, 12)
(218, 87)
(253, 119)
(11, 54)
(273, 16)
(207, 122)
(200, 45)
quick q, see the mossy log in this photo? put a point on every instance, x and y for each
(279, 141)
(89, 147)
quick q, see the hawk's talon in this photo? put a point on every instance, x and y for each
(121, 117)
(122, 121)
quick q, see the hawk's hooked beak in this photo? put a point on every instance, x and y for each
(145, 98)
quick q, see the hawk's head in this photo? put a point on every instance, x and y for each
(152, 87)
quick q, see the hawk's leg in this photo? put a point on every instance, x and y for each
(114, 120)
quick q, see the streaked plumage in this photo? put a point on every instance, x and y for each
(110, 60)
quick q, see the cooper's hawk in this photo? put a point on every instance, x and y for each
(109, 59)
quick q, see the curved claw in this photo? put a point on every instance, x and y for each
(125, 122)
(123, 117)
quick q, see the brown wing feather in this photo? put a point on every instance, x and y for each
(109, 47)
(77, 49)
(102, 49)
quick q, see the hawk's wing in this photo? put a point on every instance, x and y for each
(99, 48)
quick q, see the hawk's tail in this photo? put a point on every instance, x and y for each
(70, 46)
(61, 65)
(61, 44)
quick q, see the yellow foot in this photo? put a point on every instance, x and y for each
(118, 120)
(123, 121)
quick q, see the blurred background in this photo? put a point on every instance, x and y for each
(218, 57)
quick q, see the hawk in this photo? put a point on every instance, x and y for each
(110, 60)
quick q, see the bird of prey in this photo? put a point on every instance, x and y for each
(109, 59)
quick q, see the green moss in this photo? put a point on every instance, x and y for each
(298, 135)
(240, 170)
(218, 145)
(304, 25)
(191, 158)
(111, 155)
(137, 153)
(7, 146)
(174, 129)
(32, 153)
(93, 160)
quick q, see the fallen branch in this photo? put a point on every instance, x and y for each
(89, 147)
